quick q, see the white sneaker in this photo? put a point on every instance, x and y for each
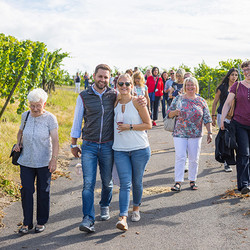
(135, 216)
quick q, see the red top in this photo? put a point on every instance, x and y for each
(242, 107)
(151, 85)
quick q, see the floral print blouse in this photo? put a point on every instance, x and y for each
(193, 114)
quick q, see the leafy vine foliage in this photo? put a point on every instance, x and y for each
(43, 70)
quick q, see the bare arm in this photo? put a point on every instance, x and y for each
(55, 150)
(216, 99)
(148, 101)
(18, 144)
(226, 108)
(209, 132)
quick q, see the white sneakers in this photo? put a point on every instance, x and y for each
(135, 216)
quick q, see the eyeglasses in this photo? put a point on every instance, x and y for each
(126, 83)
(37, 106)
(246, 70)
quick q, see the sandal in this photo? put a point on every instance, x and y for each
(193, 185)
(176, 187)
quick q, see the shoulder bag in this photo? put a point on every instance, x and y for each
(169, 123)
(15, 155)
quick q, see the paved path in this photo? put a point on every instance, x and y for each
(187, 220)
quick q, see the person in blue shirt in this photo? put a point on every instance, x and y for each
(96, 106)
(168, 86)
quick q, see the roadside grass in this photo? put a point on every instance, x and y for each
(61, 103)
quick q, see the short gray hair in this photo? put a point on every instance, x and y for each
(36, 95)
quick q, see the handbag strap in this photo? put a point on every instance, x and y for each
(26, 120)
(24, 124)
(237, 90)
(156, 84)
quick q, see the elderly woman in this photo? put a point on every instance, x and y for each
(39, 140)
(191, 111)
(131, 149)
(241, 120)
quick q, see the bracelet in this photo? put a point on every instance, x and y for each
(209, 133)
(73, 146)
(55, 157)
(214, 115)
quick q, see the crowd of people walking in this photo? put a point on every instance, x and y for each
(113, 116)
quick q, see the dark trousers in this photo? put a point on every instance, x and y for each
(163, 106)
(242, 156)
(154, 105)
(43, 178)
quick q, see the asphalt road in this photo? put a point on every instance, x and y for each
(203, 219)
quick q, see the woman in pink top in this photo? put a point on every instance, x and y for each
(241, 120)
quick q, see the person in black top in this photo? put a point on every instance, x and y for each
(221, 95)
(178, 84)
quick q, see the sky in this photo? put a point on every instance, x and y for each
(125, 34)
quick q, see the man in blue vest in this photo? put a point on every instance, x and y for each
(96, 106)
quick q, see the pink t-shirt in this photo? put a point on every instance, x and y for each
(242, 108)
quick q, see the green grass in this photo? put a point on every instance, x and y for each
(61, 103)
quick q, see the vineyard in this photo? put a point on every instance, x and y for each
(25, 65)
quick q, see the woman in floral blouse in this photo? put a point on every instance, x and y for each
(191, 111)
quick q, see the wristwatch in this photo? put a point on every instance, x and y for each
(73, 146)
(131, 126)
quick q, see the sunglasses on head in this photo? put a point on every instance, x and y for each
(126, 83)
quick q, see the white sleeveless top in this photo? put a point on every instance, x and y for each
(130, 139)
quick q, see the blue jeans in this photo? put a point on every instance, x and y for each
(242, 155)
(43, 178)
(163, 106)
(93, 153)
(154, 105)
(130, 167)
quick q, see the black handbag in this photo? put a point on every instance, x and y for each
(15, 155)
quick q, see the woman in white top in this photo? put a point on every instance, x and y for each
(38, 159)
(131, 148)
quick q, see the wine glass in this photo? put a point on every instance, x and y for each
(119, 119)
